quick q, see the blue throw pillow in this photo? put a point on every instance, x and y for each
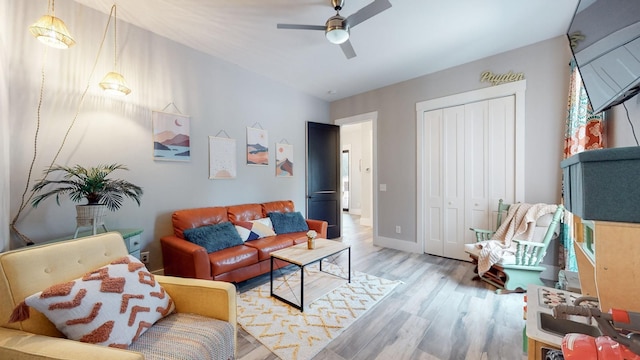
(214, 237)
(288, 222)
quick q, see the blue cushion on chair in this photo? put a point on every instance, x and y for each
(288, 222)
(214, 237)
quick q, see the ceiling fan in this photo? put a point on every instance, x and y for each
(337, 27)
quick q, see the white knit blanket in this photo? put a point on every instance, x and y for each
(519, 223)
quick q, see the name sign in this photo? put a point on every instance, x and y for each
(496, 79)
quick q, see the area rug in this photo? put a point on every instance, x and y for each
(295, 335)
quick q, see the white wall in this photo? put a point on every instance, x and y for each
(350, 136)
(217, 95)
(546, 69)
(620, 128)
(4, 137)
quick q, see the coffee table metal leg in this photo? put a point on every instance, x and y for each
(302, 288)
(271, 277)
(349, 267)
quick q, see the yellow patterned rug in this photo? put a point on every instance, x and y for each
(295, 335)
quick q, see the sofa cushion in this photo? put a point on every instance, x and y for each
(214, 237)
(255, 229)
(232, 258)
(266, 246)
(278, 206)
(193, 218)
(288, 222)
(111, 306)
(244, 212)
(187, 336)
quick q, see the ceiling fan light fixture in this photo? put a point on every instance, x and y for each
(337, 30)
(52, 31)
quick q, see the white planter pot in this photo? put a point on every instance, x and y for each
(90, 216)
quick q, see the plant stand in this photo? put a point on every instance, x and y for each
(90, 216)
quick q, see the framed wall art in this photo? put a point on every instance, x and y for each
(257, 147)
(222, 158)
(284, 160)
(171, 139)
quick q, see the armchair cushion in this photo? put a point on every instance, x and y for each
(111, 306)
(288, 222)
(214, 237)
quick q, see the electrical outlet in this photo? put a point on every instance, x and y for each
(144, 257)
(398, 229)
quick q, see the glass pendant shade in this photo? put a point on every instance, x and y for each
(52, 31)
(113, 83)
(337, 31)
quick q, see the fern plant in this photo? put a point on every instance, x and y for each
(92, 184)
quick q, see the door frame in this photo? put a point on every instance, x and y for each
(373, 117)
(517, 89)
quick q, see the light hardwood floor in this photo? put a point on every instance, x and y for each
(438, 312)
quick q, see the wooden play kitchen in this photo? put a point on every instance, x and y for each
(601, 186)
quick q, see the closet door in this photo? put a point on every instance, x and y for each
(489, 160)
(469, 158)
(444, 154)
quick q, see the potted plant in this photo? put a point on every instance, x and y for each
(92, 184)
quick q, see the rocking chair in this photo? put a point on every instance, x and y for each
(514, 272)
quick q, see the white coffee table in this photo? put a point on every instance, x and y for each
(301, 256)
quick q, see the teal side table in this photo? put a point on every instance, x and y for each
(132, 239)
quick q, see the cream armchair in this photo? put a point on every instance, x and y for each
(29, 270)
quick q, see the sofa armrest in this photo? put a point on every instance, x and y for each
(17, 344)
(214, 299)
(185, 259)
(320, 226)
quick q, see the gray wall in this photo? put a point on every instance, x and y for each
(217, 95)
(545, 66)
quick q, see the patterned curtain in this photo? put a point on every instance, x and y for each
(584, 131)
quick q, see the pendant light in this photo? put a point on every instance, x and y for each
(52, 31)
(113, 83)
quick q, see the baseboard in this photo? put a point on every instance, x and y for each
(366, 221)
(397, 244)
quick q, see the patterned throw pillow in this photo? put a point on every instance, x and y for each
(256, 229)
(110, 306)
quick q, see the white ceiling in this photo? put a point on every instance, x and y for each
(411, 39)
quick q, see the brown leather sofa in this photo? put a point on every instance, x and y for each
(235, 264)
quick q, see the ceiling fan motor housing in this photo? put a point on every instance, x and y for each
(337, 29)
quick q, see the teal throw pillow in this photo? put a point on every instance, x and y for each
(214, 237)
(288, 222)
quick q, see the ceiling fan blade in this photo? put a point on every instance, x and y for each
(369, 11)
(301, 27)
(347, 49)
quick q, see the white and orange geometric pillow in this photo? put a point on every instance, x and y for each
(110, 306)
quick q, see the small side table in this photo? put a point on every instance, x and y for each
(131, 238)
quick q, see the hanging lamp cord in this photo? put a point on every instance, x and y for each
(24, 199)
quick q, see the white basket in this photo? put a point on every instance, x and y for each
(90, 215)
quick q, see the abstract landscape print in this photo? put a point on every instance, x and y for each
(257, 147)
(171, 140)
(284, 160)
